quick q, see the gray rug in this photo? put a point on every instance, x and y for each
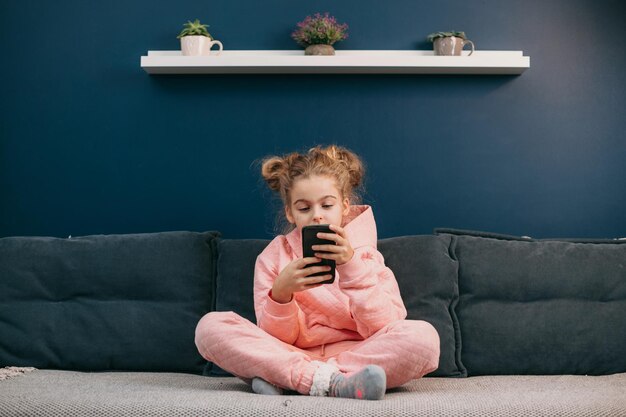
(64, 393)
(13, 371)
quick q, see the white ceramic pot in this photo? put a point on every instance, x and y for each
(198, 45)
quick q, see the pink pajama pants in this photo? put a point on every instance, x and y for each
(405, 349)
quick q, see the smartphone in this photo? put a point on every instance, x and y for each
(309, 238)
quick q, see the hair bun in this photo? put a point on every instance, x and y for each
(272, 170)
(349, 159)
(336, 162)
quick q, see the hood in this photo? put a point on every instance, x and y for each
(359, 225)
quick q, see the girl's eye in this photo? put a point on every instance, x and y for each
(303, 209)
(327, 206)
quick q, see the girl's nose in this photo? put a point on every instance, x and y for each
(317, 217)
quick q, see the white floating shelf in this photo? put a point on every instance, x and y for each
(344, 62)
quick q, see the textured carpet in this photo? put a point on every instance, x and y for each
(63, 393)
(13, 371)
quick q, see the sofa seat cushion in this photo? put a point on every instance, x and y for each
(541, 306)
(166, 394)
(426, 275)
(108, 302)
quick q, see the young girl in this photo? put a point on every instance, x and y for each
(345, 339)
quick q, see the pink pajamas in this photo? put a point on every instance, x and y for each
(405, 349)
(356, 321)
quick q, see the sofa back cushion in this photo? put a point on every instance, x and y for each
(235, 281)
(235, 275)
(541, 306)
(110, 302)
(423, 268)
(427, 277)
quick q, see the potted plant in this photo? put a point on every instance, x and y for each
(195, 39)
(449, 43)
(318, 33)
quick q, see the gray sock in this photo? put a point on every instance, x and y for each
(261, 386)
(369, 383)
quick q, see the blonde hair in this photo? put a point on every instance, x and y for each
(336, 162)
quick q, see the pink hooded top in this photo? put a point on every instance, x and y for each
(363, 299)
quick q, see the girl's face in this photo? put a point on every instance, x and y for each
(316, 200)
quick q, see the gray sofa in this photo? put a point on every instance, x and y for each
(527, 327)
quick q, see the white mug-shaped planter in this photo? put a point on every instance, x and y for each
(451, 45)
(198, 45)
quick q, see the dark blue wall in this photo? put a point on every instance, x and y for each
(89, 143)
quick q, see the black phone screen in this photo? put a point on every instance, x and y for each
(309, 238)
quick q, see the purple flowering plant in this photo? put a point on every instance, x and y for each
(319, 30)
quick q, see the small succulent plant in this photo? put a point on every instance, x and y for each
(319, 30)
(194, 28)
(436, 35)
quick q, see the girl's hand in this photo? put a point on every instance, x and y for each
(295, 278)
(341, 252)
